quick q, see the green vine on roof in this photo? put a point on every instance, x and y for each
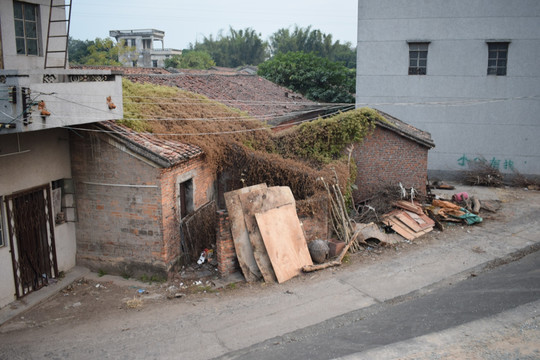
(324, 140)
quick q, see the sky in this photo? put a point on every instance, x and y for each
(186, 22)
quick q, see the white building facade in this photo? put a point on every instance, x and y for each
(467, 71)
(145, 53)
(38, 108)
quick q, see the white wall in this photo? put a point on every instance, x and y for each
(11, 59)
(48, 159)
(505, 131)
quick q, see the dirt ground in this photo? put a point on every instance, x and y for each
(107, 296)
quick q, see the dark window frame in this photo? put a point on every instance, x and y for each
(186, 203)
(3, 224)
(27, 29)
(418, 53)
(498, 57)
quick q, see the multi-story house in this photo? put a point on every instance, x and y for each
(465, 71)
(40, 102)
(144, 53)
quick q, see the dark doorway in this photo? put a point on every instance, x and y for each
(31, 238)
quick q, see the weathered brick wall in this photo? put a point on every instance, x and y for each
(203, 191)
(225, 252)
(386, 158)
(119, 228)
(130, 229)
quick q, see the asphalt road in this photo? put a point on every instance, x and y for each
(489, 293)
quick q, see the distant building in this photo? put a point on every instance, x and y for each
(145, 54)
(466, 71)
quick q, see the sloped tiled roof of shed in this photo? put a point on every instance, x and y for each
(163, 152)
(407, 130)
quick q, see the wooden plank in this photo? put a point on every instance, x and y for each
(242, 245)
(423, 220)
(260, 201)
(399, 228)
(284, 241)
(409, 221)
(406, 205)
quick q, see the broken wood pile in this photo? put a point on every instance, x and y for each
(268, 237)
(408, 220)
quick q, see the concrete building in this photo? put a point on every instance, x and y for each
(145, 53)
(465, 71)
(37, 107)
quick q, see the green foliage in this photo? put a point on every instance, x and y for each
(101, 272)
(237, 48)
(316, 78)
(315, 41)
(136, 106)
(78, 50)
(190, 60)
(324, 140)
(97, 52)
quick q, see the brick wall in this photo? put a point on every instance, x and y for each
(226, 254)
(386, 158)
(129, 229)
(203, 191)
(119, 227)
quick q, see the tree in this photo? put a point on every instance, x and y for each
(190, 60)
(78, 49)
(315, 77)
(308, 40)
(97, 52)
(237, 48)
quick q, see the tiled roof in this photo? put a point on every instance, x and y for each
(407, 130)
(165, 153)
(122, 69)
(238, 88)
(250, 93)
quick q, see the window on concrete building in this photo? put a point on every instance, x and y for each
(497, 58)
(26, 28)
(147, 43)
(185, 198)
(418, 58)
(154, 63)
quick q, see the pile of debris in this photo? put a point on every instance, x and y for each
(270, 242)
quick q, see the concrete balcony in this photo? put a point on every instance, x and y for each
(44, 99)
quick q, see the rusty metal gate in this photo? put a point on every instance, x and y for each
(31, 238)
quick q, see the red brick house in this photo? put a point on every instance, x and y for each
(394, 153)
(132, 191)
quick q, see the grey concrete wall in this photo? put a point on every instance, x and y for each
(469, 114)
(26, 161)
(11, 59)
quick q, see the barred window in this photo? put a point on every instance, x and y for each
(26, 28)
(418, 58)
(497, 58)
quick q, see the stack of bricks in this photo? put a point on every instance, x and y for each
(226, 254)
